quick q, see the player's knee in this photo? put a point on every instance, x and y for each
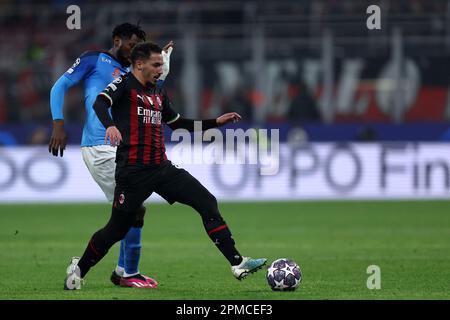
(140, 213)
(116, 234)
(106, 237)
(139, 221)
(209, 202)
(118, 226)
(100, 238)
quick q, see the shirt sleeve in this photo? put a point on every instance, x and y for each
(57, 97)
(114, 91)
(189, 124)
(83, 67)
(168, 114)
(107, 98)
(101, 107)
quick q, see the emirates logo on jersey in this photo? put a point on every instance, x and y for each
(150, 116)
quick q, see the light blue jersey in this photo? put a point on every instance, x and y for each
(96, 69)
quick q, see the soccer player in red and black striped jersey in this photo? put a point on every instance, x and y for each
(139, 109)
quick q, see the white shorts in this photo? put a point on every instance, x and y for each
(100, 161)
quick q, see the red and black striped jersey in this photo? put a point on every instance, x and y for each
(139, 112)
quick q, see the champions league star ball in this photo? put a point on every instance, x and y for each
(284, 275)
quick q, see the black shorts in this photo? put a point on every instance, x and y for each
(134, 184)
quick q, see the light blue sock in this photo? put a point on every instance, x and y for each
(132, 250)
(121, 262)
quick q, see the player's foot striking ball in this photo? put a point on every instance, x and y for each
(247, 266)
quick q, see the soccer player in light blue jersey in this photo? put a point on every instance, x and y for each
(97, 69)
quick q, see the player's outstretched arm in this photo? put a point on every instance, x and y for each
(189, 124)
(228, 117)
(175, 121)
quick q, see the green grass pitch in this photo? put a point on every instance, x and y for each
(333, 242)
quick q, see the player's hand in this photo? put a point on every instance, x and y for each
(58, 139)
(167, 51)
(113, 135)
(228, 117)
(167, 46)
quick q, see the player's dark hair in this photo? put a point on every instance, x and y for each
(142, 51)
(126, 31)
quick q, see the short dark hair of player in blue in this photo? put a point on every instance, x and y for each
(142, 51)
(125, 36)
(127, 30)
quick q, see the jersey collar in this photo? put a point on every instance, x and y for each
(112, 57)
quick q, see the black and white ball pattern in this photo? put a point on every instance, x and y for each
(284, 275)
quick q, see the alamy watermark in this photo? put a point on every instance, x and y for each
(74, 20)
(374, 280)
(252, 146)
(374, 20)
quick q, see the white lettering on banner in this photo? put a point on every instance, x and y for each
(314, 171)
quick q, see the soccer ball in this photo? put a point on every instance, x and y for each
(284, 275)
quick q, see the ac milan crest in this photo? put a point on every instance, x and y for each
(158, 99)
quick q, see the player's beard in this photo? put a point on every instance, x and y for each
(148, 77)
(124, 61)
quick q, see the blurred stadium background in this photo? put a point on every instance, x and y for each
(284, 63)
(362, 114)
